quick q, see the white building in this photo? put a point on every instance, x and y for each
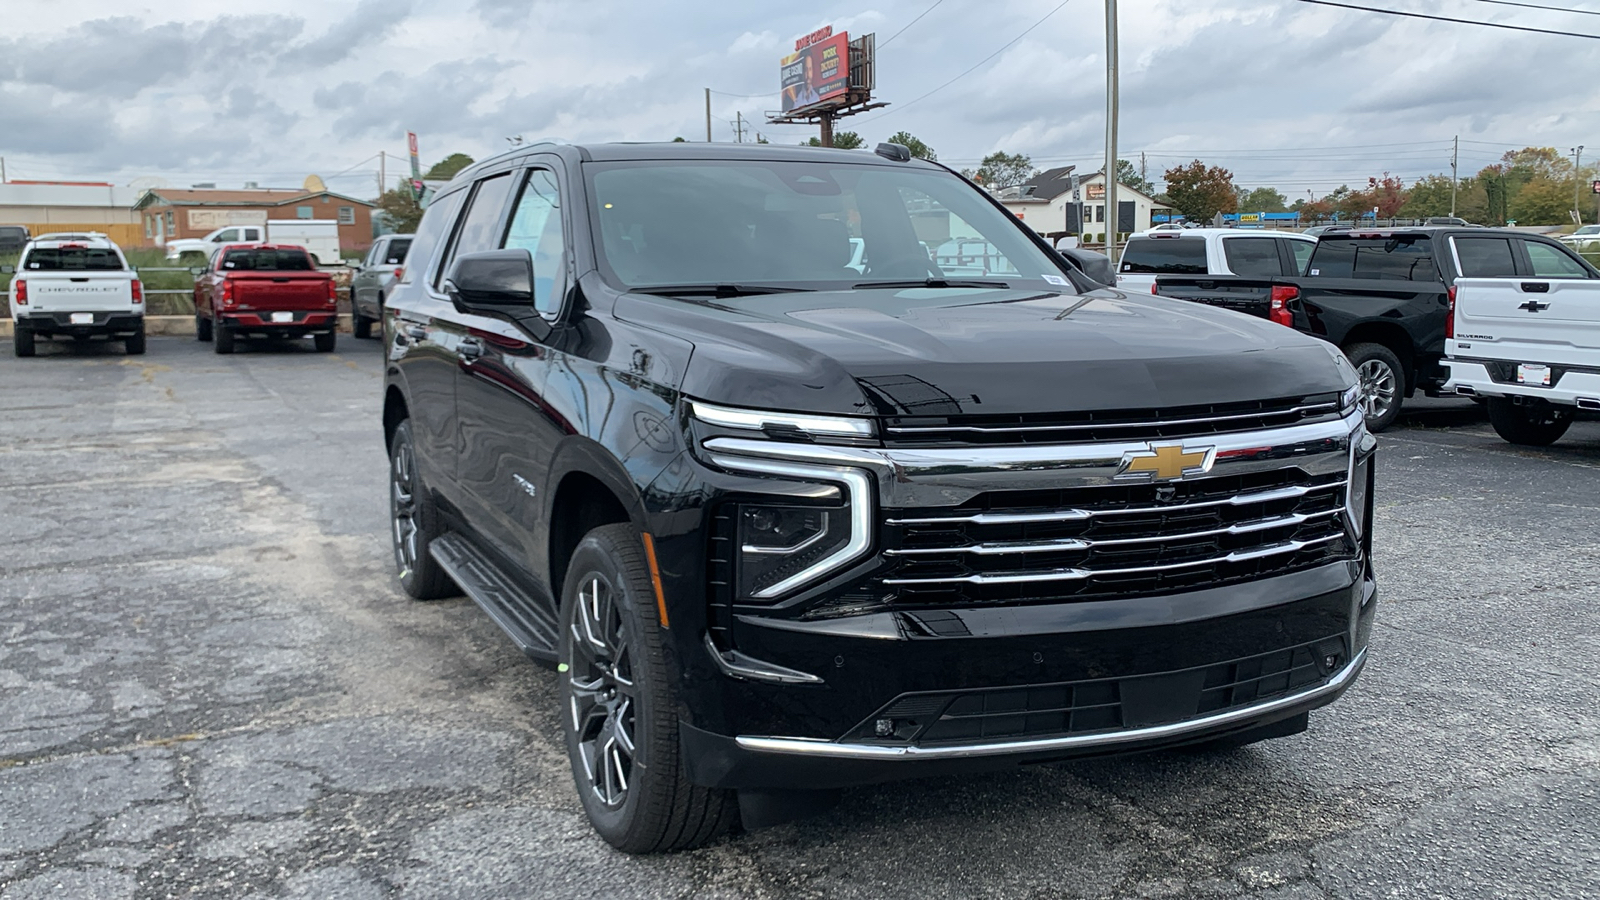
(1044, 202)
(44, 206)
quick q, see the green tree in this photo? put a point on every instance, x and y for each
(446, 168)
(680, 140)
(1429, 196)
(1263, 199)
(1002, 170)
(911, 142)
(1199, 191)
(400, 207)
(842, 140)
(1386, 194)
(1128, 175)
(1542, 201)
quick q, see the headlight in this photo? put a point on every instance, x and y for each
(1349, 400)
(1358, 494)
(776, 543)
(783, 546)
(781, 422)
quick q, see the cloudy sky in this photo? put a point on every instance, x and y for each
(1284, 93)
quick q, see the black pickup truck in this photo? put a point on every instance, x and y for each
(1381, 296)
(790, 506)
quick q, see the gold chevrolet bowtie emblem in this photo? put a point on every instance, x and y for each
(1167, 462)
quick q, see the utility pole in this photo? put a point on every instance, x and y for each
(1143, 175)
(383, 171)
(1455, 154)
(738, 127)
(1577, 184)
(1112, 219)
(708, 115)
(2, 170)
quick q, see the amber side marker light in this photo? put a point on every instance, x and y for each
(655, 577)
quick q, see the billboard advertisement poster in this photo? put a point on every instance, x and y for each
(411, 146)
(817, 71)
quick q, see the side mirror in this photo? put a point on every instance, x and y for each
(497, 281)
(197, 271)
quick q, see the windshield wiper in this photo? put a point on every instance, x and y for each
(931, 283)
(715, 290)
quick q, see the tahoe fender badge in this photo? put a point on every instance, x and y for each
(1166, 462)
(525, 484)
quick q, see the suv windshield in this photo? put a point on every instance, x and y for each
(266, 259)
(62, 259)
(803, 225)
(1403, 257)
(1165, 256)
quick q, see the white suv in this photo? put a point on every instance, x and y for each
(78, 287)
(1210, 251)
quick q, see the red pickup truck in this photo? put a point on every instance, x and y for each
(264, 290)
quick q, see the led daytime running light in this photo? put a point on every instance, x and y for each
(758, 420)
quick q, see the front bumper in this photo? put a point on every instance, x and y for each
(1570, 385)
(261, 324)
(101, 324)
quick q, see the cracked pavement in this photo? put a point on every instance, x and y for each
(210, 686)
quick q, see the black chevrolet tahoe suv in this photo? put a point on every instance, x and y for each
(790, 508)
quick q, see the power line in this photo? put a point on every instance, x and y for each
(911, 23)
(1417, 15)
(980, 63)
(1563, 9)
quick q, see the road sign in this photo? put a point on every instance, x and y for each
(417, 187)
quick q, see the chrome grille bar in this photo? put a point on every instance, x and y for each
(1301, 411)
(1079, 574)
(1067, 544)
(1069, 515)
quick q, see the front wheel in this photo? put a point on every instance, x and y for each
(1531, 424)
(1383, 383)
(414, 523)
(202, 328)
(325, 342)
(619, 705)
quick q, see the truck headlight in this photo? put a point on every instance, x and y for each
(1358, 493)
(784, 546)
(1349, 400)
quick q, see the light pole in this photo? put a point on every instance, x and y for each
(1111, 133)
(1577, 185)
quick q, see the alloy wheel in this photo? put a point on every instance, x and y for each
(1379, 388)
(403, 507)
(604, 697)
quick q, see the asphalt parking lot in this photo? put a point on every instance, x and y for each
(210, 686)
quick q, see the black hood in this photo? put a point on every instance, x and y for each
(947, 351)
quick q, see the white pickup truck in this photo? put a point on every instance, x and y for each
(1530, 345)
(319, 236)
(80, 288)
(1210, 251)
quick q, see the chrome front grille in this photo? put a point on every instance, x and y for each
(1114, 540)
(1107, 425)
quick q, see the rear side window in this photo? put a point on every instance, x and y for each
(1550, 262)
(1485, 257)
(73, 259)
(1403, 258)
(395, 253)
(1165, 256)
(1252, 256)
(435, 224)
(266, 260)
(1301, 251)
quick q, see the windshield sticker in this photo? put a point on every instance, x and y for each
(1056, 279)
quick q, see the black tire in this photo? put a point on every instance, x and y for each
(1531, 424)
(360, 326)
(202, 328)
(224, 338)
(22, 340)
(135, 344)
(616, 686)
(1383, 383)
(325, 341)
(413, 523)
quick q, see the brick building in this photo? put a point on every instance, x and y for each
(195, 212)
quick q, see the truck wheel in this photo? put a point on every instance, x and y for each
(224, 337)
(202, 328)
(619, 705)
(360, 326)
(22, 339)
(326, 341)
(1532, 424)
(1383, 383)
(135, 344)
(414, 523)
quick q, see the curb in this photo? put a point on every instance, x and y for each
(173, 325)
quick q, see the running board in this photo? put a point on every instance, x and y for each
(527, 621)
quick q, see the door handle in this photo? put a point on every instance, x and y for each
(1535, 287)
(469, 348)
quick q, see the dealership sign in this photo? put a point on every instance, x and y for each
(817, 71)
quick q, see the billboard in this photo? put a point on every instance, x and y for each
(817, 71)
